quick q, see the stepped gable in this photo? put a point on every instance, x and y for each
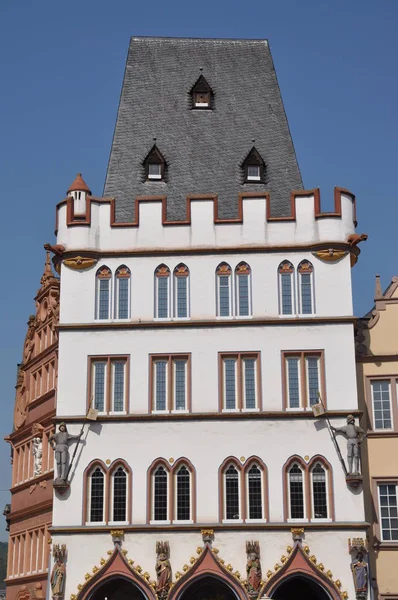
(204, 149)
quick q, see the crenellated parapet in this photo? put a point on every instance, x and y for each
(87, 222)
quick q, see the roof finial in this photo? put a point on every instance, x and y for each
(200, 68)
(48, 272)
(378, 290)
(253, 140)
(154, 139)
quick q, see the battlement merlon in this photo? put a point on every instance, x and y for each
(91, 225)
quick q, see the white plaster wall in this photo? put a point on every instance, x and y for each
(202, 232)
(329, 547)
(332, 284)
(206, 444)
(204, 345)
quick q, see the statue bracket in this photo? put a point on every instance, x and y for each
(354, 480)
(61, 486)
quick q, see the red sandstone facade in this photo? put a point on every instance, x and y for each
(32, 474)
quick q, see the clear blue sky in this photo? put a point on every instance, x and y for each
(62, 65)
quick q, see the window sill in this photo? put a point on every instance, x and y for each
(118, 523)
(328, 520)
(117, 412)
(250, 410)
(179, 412)
(177, 522)
(297, 520)
(232, 521)
(230, 410)
(95, 523)
(298, 409)
(255, 520)
(159, 522)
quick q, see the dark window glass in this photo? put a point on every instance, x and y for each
(119, 495)
(183, 495)
(306, 293)
(232, 493)
(160, 495)
(296, 493)
(255, 496)
(319, 493)
(286, 290)
(123, 298)
(97, 496)
(104, 292)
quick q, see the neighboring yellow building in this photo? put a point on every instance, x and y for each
(377, 369)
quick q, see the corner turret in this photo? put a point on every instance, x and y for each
(78, 190)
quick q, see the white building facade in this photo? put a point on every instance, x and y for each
(203, 342)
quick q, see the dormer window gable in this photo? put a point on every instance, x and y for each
(202, 94)
(154, 165)
(254, 167)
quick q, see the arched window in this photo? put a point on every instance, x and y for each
(119, 495)
(122, 300)
(183, 494)
(181, 292)
(160, 494)
(162, 292)
(224, 295)
(296, 492)
(243, 290)
(255, 493)
(232, 493)
(103, 293)
(319, 492)
(305, 272)
(286, 288)
(96, 503)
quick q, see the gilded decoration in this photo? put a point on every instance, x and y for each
(330, 255)
(80, 263)
(311, 559)
(163, 570)
(105, 562)
(181, 270)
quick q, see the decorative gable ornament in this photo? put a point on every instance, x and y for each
(202, 94)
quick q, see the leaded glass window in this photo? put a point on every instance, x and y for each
(122, 293)
(296, 492)
(388, 511)
(319, 492)
(242, 273)
(230, 383)
(224, 290)
(120, 495)
(99, 385)
(180, 384)
(249, 373)
(293, 377)
(118, 385)
(286, 288)
(313, 379)
(96, 502)
(161, 385)
(305, 274)
(232, 504)
(162, 282)
(160, 494)
(181, 275)
(103, 293)
(381, 404)
(255, 493)
(183, 494)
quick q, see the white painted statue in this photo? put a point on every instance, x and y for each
(37, 451)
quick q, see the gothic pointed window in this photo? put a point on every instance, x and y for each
(253, 166)
(232, 493)
(202, 94)
(181, 291)
(224, 292)
(155, 166)
(183, 495)
(296, 492)
(254, 492)
(243, 290)
(160, 494)
(122, 293)
(96, 496)
(286, 288)
(103, 293)
(319, 492)
(162, 292)
(119, 495)
(305, 272)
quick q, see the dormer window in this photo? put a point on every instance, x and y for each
(201, 94)
(154, 171)
(253, 167)
(154, 165)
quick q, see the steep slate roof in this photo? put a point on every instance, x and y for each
(203, 149)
